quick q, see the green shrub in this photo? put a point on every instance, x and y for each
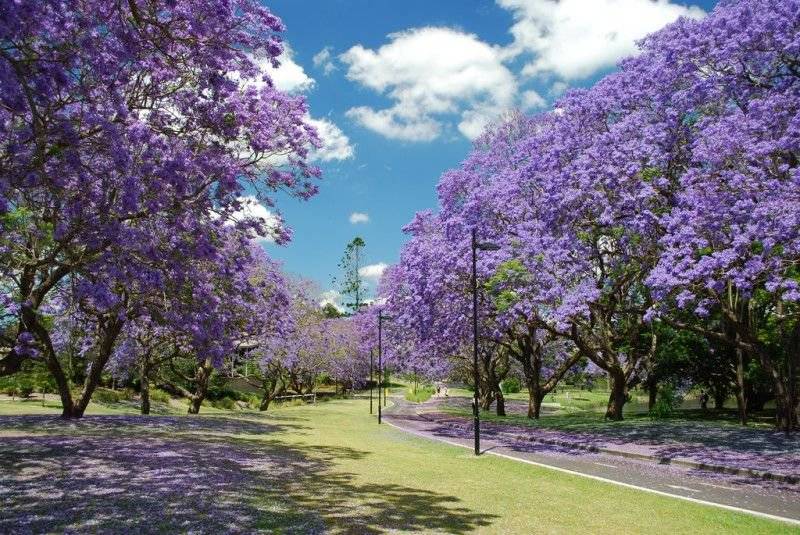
(106, 395)
(11, 390)
(156, 394)
(667, 401)
(226, 403)
(422, 394)
(254, 401)
(25, 390)
(511, 386)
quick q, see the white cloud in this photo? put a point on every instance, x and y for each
(289, 76)
(252, 208)
(324, 60)
(373, 271)
(359, 217)
(335, 144)
(430, 73)
(331, 297)
(389, 124)
(576, 38)
(531, 100)
(558, 88)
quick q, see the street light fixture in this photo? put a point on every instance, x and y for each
(483, 246)
(381, 319)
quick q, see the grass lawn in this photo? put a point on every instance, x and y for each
(305, 469)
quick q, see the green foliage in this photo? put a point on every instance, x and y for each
(511, 385)
(254, 401)
(108, 396)
(509, 273)
(351, 284)
(667, 402)
(226, 403)
(324, 378)
(156, 394)
(31, 379)
(422, 394)
(331, 312)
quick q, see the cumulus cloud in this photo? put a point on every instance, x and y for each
(576, 38)
(373, 271)
(289, 76)
(531, 100)
(430, 73)
(252, 208)
(359, 217)
(331, 297)
(324, 60)
(335, 144)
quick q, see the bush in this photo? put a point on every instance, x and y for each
(422, 394)
(25, 390)
(159, 395)
(667, 401)
(254, 401)
(511, 386)
(11, 390)
(106, 395)
(226, 403)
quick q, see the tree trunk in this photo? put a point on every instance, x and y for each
(501, 403)
(265, 401)
(76, 409)
(535, 396)
(535, 410)
(618, 394)
(532, 408)
(486, 398)
(144, 389)
(652, 394)
(202, 376)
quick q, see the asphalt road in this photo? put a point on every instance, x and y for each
(757, 496)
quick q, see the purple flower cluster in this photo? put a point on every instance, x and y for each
(129, 132)
(673, 183)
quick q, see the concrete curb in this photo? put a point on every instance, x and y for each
(784, 478)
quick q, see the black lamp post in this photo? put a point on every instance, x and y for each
(370, 381)
(483, 246)
(381, 318)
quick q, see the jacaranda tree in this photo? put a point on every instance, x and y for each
(129, 132)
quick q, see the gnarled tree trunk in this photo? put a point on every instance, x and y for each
(201, 378)
(618, 397)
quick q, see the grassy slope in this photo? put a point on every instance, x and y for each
(392, 481)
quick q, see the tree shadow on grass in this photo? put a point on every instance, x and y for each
(107, 474)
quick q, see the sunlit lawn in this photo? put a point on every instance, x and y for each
(307, 469)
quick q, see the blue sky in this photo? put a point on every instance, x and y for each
(400, 88)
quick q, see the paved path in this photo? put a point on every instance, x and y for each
(770, 498)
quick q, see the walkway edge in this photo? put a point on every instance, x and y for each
(606, 480)
(784, 478)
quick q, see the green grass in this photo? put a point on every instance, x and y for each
(593, 422)
(339, 470)
(422, 394)
(569, 399)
